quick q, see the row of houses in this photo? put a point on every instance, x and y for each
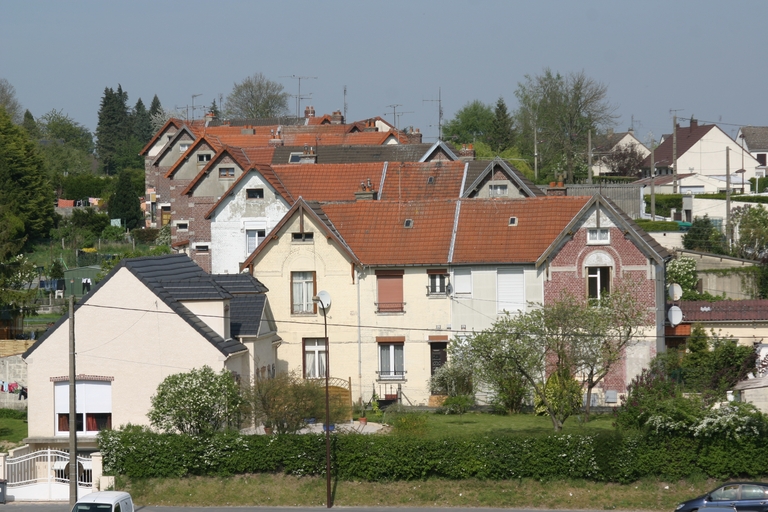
(416, 244)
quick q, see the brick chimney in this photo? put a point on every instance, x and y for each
(694, 124)
(309, 111)
(337, 118)
(370, 126)
(467, 152)
(414, 136)
(557, 189)
(309, 156)
(366, 192)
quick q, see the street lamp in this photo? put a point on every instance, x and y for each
(324, 299)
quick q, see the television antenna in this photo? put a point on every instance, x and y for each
(439, 101)
(298, 96)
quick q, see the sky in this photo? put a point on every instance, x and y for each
(702, 58)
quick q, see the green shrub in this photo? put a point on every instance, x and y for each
(458, 404)
(146, 236)
(14, 414)
(650, 226)
(113, 233)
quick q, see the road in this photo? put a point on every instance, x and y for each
(63, 507)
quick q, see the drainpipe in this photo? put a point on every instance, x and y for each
(359, 340)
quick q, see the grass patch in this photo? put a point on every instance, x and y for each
(290, 491)
(13, 428)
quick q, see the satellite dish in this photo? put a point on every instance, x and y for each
(324, 298)
(675, 291)
(675, 316)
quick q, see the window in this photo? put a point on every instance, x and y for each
(438, 278)
(728, 492)
(761, 158)
(253, 238)
(391, 357)
(303, 237)
(462, 282)
(497, 190)
(183, 147)
(438, 355)
(753, 492)
(295, 158)
(203, 158)
(598, 236)
(510, 290)
(302, 291)
(598, 282)
(314, 358)
(226, 172)
(182, 226)
(201, 247)
(94, 406)
(254, 193)
(390, 291)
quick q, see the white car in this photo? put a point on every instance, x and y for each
(106, 501)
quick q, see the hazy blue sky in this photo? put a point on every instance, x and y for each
(706, 58)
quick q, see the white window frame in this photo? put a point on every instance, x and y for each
(93, 397)
(462, 282)
(593, 272)
(184, 146)
(510, 290)
(598, 236)
(303, 289)
(392, 355)
(314, 367)
(437, 284)
(253, 238)
(498, 190)
(204, 158)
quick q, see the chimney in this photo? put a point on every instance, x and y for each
(309, 156)
(208, 118)
(414, 136)
(337, 118)
(694, 123)
(370, 126)
(309, 111)
(467, 153)
(277, 139)
(557, 189)
(366, 192)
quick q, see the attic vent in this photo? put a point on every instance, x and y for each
(513, 221)
(431, 180)
(408, 223)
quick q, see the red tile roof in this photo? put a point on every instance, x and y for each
(328, 182)
(484, 234)
(266, 172)
(410, 181)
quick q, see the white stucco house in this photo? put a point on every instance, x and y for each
(149, 318)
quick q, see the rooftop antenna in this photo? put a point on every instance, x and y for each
(394, 113)
(193, 105)
(345, 103)
(298, 96)
(439, 101)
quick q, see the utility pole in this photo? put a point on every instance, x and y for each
(535, 152)
(345, 103)
(653, 181)
(589, 157)
(439, 101)
(674, 152)
(728, 227)
(72, 406)
(298, 96)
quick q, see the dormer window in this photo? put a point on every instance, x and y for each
(598, 236)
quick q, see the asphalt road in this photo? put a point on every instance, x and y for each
(63, 507)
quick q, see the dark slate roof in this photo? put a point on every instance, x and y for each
(198, 288)
(245, 314)
(153, 272)
(238, 284)
(686, 137)
(756, 137)
(338, 154)
(478, 170)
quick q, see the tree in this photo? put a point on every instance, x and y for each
(705, 237)
(472, 121)
(501, 135)
(214, 110)
(124, 203)
(30, 125)
(155, 106)
(142, 124)
(25, 191)
(198, 402)
(257, 97)
(624, 160)
(9, 102)
(561, 110)
(752, 224)
(57, 126)
(113, 128)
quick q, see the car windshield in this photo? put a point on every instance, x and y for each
(92, 507)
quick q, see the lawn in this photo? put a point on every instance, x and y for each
(13, 428)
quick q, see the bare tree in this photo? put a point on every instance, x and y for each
(9, 102)
(624, 160)
(563, 109)
(256, 97)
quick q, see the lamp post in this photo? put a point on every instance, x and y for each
(324, 299)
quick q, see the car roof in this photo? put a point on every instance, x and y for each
(104, 497)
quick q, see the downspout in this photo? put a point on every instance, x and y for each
(359, 340)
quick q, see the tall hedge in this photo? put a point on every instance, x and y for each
(609, 456)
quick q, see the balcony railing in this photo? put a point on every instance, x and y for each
(391, 374)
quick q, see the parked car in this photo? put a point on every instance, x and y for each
(106, 501)
(743, 496)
